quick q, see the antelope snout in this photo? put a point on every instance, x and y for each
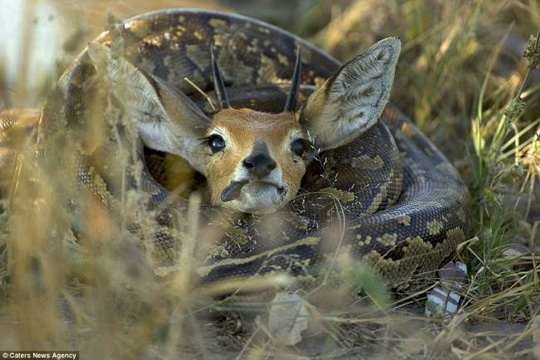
(259, 165)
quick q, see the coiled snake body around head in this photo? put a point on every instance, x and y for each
(401, 203)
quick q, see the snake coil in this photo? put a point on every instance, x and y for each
(397, 201)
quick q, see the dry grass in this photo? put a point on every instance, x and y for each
(460, 78)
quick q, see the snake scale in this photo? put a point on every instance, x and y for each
(389, 197)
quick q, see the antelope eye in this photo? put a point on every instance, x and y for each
(299, 146)
(216, 143)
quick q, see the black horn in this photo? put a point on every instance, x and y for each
(219, 85)
(290, 104)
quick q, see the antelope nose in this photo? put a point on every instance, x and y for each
(260, 165)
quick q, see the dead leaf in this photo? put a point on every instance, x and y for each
(288, 318)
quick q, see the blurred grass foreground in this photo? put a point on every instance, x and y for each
(462, 77)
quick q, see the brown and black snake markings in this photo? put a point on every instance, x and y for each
(401, 203)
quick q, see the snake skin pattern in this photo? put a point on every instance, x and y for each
(389, 197)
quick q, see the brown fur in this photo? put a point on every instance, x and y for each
(243, 127)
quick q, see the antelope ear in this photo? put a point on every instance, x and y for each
(167, 120)
(353, 99)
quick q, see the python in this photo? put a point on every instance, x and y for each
(294, 132)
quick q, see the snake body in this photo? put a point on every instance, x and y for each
(396, 200)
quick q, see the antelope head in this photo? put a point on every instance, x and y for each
(254, 161)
